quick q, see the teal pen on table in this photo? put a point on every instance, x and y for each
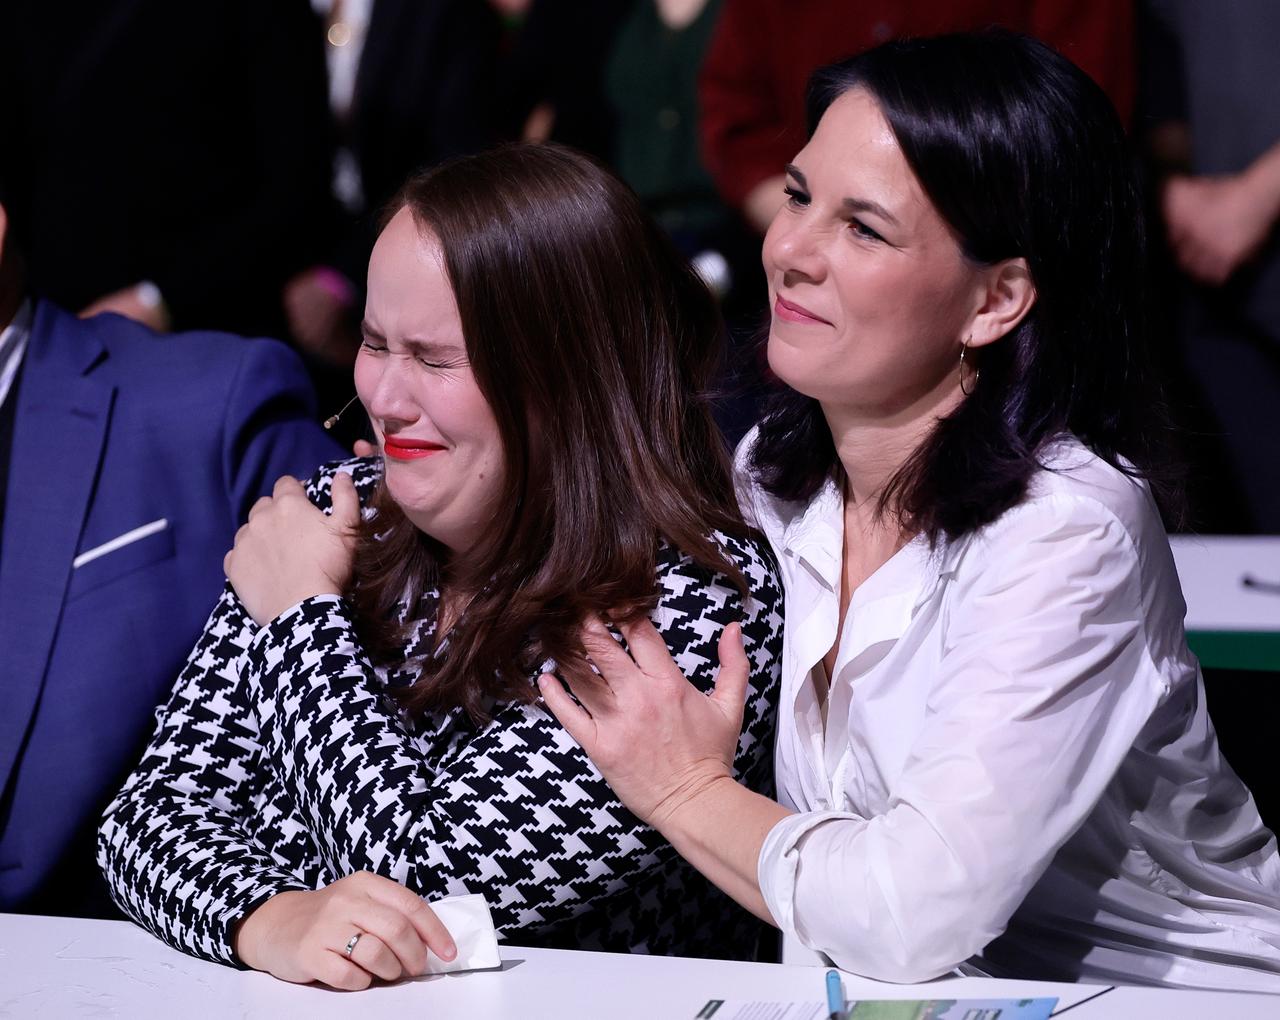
(835, 996)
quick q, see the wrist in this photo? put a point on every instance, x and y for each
(252, 930)
(320, 589)
(683, 810)
(286, 607)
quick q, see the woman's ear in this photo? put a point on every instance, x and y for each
(1009, 295)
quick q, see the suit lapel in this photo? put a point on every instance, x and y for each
(58, 439)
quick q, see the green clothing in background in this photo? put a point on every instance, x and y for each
(652, 82)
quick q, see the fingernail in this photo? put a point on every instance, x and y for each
(450, 951)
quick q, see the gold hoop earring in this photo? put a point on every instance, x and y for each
(964, 347)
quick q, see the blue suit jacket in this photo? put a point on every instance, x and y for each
(135, 458)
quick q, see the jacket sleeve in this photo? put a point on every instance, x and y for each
(177, 844)
(514, 809)
(173, 844)
(269, 427)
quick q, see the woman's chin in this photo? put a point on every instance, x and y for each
(800, 375)
(796, 366)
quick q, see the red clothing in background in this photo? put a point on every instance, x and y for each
(752, 85)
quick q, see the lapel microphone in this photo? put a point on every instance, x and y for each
(332, 420)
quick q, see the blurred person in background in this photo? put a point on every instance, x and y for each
(127, 462)
(651, 86)
(651, 81)
(553, 74)
(410, 83)
(619, 80)
(178, 164)
(1213, 128)
(752, 87)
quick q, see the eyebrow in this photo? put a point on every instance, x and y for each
(858, 205)
(426, 348)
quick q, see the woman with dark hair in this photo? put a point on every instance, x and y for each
(359, 722)
(993, 749)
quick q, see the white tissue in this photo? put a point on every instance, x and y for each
(467, 918)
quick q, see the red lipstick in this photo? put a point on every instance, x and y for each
(401, 448)
(789, 311)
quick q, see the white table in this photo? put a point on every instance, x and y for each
(63, 967)
(1231, 624)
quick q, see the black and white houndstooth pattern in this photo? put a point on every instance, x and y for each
(280, 763)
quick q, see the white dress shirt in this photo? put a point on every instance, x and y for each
(345, 46)
(13, 343)
(345, 38)
(1017, 769)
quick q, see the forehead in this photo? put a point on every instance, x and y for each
(409, 293)
(405, 247)
(854, 152)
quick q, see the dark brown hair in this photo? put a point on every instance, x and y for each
(593, 343)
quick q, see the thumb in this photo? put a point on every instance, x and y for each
(346, 501)
(734, 671)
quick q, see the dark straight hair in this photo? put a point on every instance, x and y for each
(593, 344)
(1022, 155)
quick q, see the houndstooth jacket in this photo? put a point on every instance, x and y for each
(280, 762)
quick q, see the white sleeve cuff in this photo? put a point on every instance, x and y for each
(778, 870)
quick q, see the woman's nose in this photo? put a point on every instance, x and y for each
(388, 398)
(791, 248)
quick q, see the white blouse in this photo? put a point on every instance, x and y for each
(1017, 769)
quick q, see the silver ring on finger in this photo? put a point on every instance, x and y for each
(351, 944)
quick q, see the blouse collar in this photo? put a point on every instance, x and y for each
(814, 536)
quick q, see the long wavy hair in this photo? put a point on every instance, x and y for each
(1022, 155)
(594, 345)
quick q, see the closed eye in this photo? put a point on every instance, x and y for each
(374, 347)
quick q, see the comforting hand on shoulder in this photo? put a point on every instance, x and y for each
(290, 550)
(656, 738)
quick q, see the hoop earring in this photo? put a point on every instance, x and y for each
(977, 372)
